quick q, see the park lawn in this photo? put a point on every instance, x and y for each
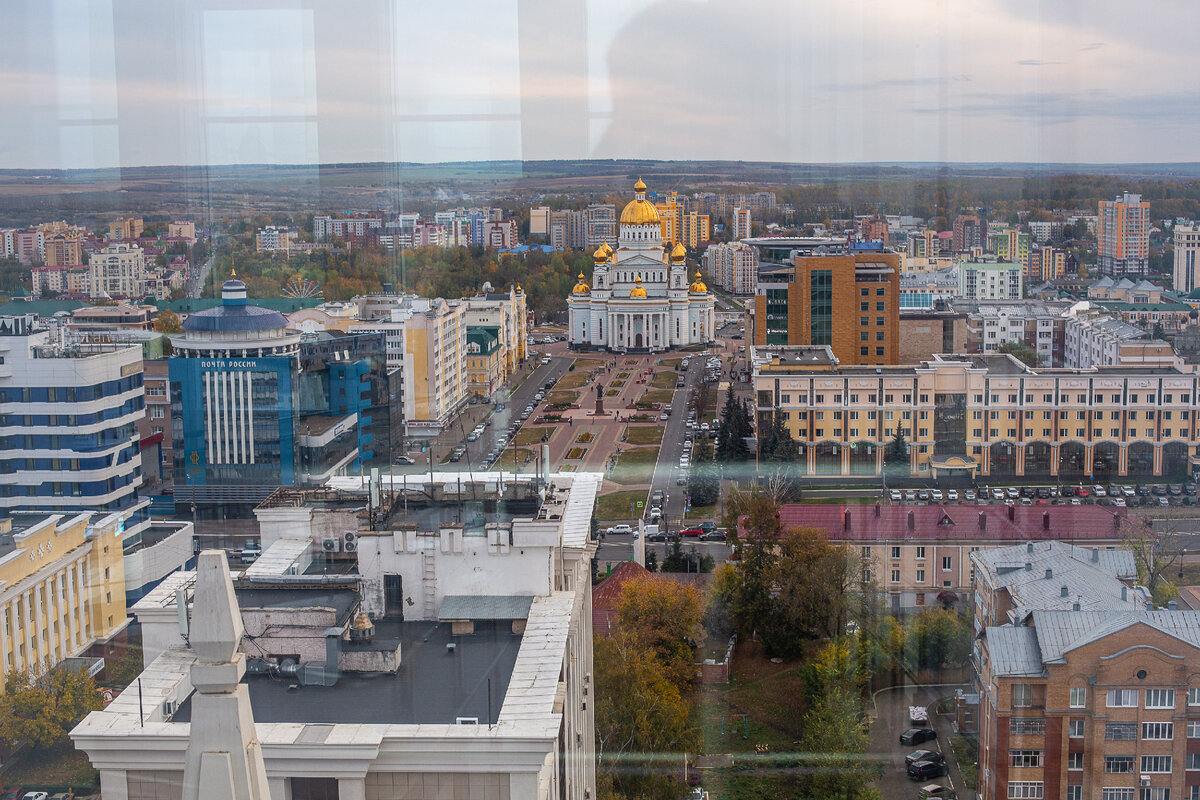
(672, 362)
(514, 457)
(64, 768)
(702, 512)
(614, 506)
(658, 396)
(643, 434)
(665, 379)
(635, 465)
(588, 363)
(556, 397)
(572, 380)
(533, 435)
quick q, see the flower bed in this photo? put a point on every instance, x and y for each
(622, 374)
(585, 437)
(631, 361)
(617, 382)
(611, 393)
(641, 418)
(577, 452)
(567, 468)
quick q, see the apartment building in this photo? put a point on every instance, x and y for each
(926, 290)
(539, 220)
(695, 230)
(801, 312)
(926, 332)
(506, 313)
(968, 233)
(182, 229)
(29, 247)
(125, 228)
(1009, 244)
(117, 270)
(1123, 236)
(275, 239)
(326, 227)
(733, 266)
(872, 228)
(1038, 324)
(1048, 264)
(981, 279)
(62, 587)
(1093, 338)
(63, 248)
(500, 235)
(980, 416)
(1097, 704)
(925, 556)
(1186, 239)
(60, 280)
(741, 224)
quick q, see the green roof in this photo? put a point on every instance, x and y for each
(488, 338)
(1113, 306)
(43, 308)
(284, 305)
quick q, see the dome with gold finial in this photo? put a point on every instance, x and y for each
(698, 285)
(638, 290)
(581, 287)
(600, 256)
(607, 248)
(678, 254)
(639, 210)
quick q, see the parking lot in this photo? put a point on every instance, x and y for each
(1121, 495)
(891, 719)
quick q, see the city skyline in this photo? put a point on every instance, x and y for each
(996, 82)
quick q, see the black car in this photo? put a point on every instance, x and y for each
(712, 536)
(919, 770)
(656, 537)
(924, 755)
(708, 527)
(1043, 492)
(914, 736)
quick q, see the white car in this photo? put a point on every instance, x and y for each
(663, 417)
(952, 494)
(620, 529)
(404, 460)
(894, 495)
(704, 426)
(655, 511)
(936, 495)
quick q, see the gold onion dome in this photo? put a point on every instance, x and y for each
(600, 256)
(607, 248)
(581, 287)
(638, 290)
(698, 286)
(678, 253)
(639, 210)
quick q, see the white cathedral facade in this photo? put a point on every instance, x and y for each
(641, 299)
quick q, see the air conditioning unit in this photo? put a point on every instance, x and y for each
(350, 539)
(331, 545)
(169, 707)
(350, 546)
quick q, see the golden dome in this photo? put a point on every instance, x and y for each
(581, 287)
(607, 248)
(639, 210)
(600, 256)
(698, 285)
(678, 253)
(638, 290)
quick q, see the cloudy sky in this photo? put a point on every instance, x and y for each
(100, 83)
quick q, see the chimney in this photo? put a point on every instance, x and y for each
(1116, 521)
(1045, 520)
(1075, 606)
(1029, 547)
(1049, 574)
(1172, 605)
(1124, 593)
(1095, 555)
(982, 521)
(912, 521)
(1149, 605)
(1029, 566)
(1064, 588)
(846, 520)
(1012, 512)
(877, 509)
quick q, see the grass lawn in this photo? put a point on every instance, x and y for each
(514, 457)
(572, 380)
(658, 396)
(643, 434)
(587, 363)
(53, 770)
(615, 505)
(533, 435)
(671, 362)
(665, 380)
(556, 397)
(702, 512)
(966, 753)
(635, 465)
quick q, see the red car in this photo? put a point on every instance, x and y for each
(692, 531)
(12, 793)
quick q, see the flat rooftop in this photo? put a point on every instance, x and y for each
(342, 601)
(432, 686)
(471, 514)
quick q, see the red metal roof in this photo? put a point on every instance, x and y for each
(936, 522)
(606, 594)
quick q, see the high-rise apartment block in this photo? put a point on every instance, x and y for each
(63, 248)
(539, 221)
(864, 287)
(733, 266)
(326, 227)
(989, 279)
(182, 229)
(695, 231)
(741, 223)
(1123, 236)
(274, 239)
(1047, 264)
(118, 270)
(873, 228)
(1187, 247)
(125, 228)
(968, 233)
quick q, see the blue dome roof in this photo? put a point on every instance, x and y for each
(235, 318)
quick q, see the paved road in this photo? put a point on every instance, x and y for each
(666, 469)
(196, 286)
(615, 549)
(891, 709)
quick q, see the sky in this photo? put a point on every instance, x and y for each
(122, 83)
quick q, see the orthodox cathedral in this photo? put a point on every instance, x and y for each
(640, 300)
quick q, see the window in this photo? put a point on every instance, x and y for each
(1074, 793)
(1116, 793)
(1156, 793)
(1027, 726)
(1122, 698)
(1194, 696)
(1156, 764)
(947, 563)
(920, 552)
(1024, 758)
(1026, 790)
(1158, 730)
(895, 552)
(1075, 729)
(1193, 761)
(1160, 698)
(1078, 696)
(1118, 765)
(1022, 695)
(895, 576)
(1193, 729)
(1074, 760)
(1120, 731)
(920, 576)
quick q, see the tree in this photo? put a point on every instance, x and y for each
(895, 457)
(41, 711)
(835, 732)
(662, 616)
(167, 321)
(937, 638)
(756, 518)
(1155, 554)
(811, 579)
(1021, 351)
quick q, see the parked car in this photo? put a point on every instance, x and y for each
(251, 553)
(936, 495)
(924, 755)
(969, 495)
(910, 495)
(663, 417)
(1012, 492)
(914, 736)
(894, 495)
(936, 790)
(1119, 501)
(620, 529)
(707, 527)
(713, 536)
(399, 460)
(923, 494)
(921, 770)
(952, 494)
(693, 531)
(1099, 491)
(1162, 501)
(36, 796)
(12, 793)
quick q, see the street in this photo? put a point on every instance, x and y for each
(616, 548)
(891, 719)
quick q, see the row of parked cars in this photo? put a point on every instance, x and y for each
(17, 793)
(1113, 494)
(926, 763)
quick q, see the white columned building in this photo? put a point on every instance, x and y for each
(641, 298)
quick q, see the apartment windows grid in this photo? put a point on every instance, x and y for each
(1160, 698)
(1122, 698)
(1024, 758)
(1156, 764)
(1027, 726)
(1025, 790)
(1118, 765)
(1158, 730)
(1075, 729)
(1022, 695)
(1078, 697)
